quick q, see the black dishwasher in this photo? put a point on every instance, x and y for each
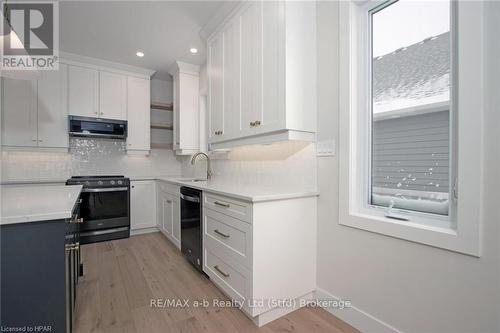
(191, 226)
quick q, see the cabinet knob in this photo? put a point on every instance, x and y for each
(257, 123)
(252, 124)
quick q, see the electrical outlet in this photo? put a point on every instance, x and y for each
(325, 148)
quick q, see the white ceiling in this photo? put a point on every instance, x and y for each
(115, 30)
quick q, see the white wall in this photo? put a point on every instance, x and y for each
(411, 287)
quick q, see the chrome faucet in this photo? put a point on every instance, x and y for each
(209, 169)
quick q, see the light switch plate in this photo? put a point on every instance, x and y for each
(325, 148)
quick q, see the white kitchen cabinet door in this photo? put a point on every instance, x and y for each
(142, 204)
(216, 123)
(52, 108)
(176, 221)
(272, 115)
(112, 96)
(168, 214)
(19, 113)
(231, 78)
(186, 107)
(176, 113)
(83, 91)
(251, 68)
(138, 115)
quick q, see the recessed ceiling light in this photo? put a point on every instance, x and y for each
(193, 50)
(140, 54)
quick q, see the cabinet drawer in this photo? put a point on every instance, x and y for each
(232, 207)
(229, 235)
(233, 280)
(169, 188)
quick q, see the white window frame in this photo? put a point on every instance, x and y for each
(461, 230)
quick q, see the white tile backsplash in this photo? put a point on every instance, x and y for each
(286, 165)
(88, 157)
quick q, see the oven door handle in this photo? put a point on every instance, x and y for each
(189, 198)
(105, 189)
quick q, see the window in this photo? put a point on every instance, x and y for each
(410, 106)
(410, 120)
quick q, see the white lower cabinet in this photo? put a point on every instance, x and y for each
(261, 253)
(142, 204)
(169, 212)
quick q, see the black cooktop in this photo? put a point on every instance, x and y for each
(99, 181)
(96, 177)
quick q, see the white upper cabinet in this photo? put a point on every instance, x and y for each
(251, 68)
(231, 77)
(267, 74)
(216, 112)
(138, 111)
(83, 91)
(112, 95)
(186, 108)
(34, 113)
(19, 113)
(53, 108)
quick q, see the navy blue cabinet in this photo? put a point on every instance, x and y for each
(40, 265)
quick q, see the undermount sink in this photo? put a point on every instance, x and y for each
(191, 180)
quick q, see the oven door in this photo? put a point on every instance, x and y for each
(104, 208)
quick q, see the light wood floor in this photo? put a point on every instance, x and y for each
(122, 276)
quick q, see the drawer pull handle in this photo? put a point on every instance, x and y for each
(221, 234)
(218, 203)
(72, 247)
(220, 271)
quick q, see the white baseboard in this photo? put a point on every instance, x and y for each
(355, 316)
(143, 231)
(277, 313)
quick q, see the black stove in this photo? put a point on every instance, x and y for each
(105, 207)
(98, 181)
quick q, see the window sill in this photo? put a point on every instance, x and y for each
(436, 232)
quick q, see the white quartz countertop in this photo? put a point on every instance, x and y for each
(31, 203)
(243, 192)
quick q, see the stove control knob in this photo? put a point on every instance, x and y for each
(100, 182)
(87, 183)
(112, 182)
(120, 182)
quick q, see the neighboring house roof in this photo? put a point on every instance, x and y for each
(413, 76)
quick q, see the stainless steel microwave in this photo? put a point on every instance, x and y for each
(97, 128)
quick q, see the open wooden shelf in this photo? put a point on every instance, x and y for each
(162, 126)
(157, 145)
(162, 106)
